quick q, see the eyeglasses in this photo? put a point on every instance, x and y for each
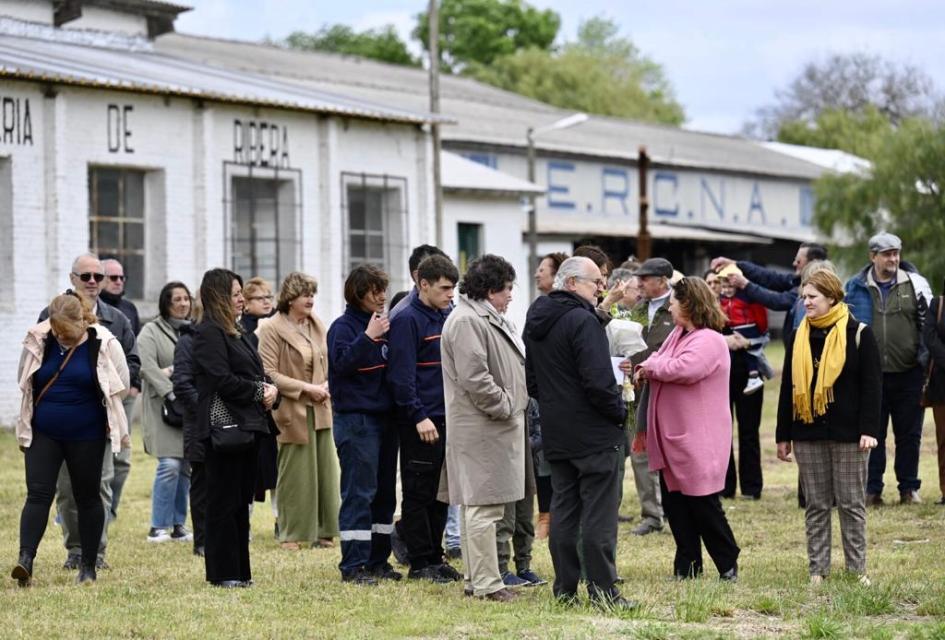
(269, 298)
(597, 281)
(85, 277)
(117, 278)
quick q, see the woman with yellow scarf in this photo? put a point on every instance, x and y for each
(829, 415)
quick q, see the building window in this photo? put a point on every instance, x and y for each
(264, 240)
(375, 220)
(116, 221)
(486, 159)
(470, 243)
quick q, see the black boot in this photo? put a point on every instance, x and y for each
(86, 573)
(23, 571)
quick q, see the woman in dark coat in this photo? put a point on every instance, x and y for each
(231, 390)
(185, 392)
(934, 335)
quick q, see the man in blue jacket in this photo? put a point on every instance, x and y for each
(415, 377)
(890, 296)
(568, 370)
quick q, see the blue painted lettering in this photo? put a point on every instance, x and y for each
(610, 193)
(557, 202)
(756, 204)
(665, 185)
(718, 203)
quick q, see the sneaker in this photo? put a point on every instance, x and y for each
(729, 576)
(755, 384)
(447, 571)
(86, 575)
(646, 527)
(180, 534)
(874, 500)
(360, 577)
(816, 580)
(101, 564)
(430, 572)
(386, 572)
(73, 560)
(454, 553)
(865, 581)
(512, 581)
(909, 497)
(399, 548)
(613, 602)
(159, 535)
(532, 578)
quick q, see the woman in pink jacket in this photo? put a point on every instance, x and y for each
(690, 428)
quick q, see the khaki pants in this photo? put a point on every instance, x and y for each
(69, 513)
(480, 555)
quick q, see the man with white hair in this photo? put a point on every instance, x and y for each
(568, 371)
(88, 276)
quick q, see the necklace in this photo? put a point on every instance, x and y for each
(62, 349)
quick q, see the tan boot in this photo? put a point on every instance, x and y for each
(544, 526)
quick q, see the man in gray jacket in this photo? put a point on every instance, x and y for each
(88, 276)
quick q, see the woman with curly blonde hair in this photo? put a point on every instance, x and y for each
(294, 351)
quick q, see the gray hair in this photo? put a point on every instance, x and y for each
(619, 275)
(816, 266)
(571, 268)
(75, 263)
(108, 261)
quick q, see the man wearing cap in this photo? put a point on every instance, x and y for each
(891, 296)
(654, 275)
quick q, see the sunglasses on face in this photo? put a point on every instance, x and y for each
(85, 277)
(117, 278)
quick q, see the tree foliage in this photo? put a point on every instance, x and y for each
(857, 83)
(480, 31)
(903, 194)
(378, 44)
(602, 72)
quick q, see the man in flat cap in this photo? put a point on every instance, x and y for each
(654, 275)
(891, 296)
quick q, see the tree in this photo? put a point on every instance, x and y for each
(601, 73)
(378, 44)
(860, 133)
(904, 194)
(853, 83)
(479, 31)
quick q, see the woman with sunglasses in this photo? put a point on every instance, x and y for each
(73, 376)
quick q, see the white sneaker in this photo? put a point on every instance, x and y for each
(159, 535)
(865, 581)
(755, 383)
(816, 580)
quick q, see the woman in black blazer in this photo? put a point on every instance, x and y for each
(231, 389)
(934, 334)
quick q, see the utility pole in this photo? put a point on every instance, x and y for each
(644, 242)
(532, 219)
(433, 15)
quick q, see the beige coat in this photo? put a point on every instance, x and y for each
(111, 371)
(281, 348)
(484, 388)
(156, 344)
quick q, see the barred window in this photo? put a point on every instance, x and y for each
(375, 224)
(116, 221)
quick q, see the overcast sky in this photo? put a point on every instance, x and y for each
(724, 58)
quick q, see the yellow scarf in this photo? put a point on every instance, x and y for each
(831, 363)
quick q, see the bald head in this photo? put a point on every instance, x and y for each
(114, 276)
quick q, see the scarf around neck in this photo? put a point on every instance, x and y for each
(831, 362)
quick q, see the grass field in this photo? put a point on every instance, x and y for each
(157, 591)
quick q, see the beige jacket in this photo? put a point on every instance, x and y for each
(485, 394)
(111, 371)
(281, 348)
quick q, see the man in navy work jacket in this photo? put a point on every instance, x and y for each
(568, 370)
(415, 377)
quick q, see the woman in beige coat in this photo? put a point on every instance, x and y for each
(484, 389)
(293, 348)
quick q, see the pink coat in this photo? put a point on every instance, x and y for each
(689, 423)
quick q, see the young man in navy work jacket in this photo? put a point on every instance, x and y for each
(416, 382)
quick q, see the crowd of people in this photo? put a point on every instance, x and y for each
(244, 390)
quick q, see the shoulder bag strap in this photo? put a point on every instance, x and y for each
(164, 331)
(55, 377)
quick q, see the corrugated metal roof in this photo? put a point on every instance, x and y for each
(490, 116)
(833, 159)
(617, 228)
(143, 71)
(461, 174)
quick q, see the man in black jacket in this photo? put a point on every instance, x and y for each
(568, 371)
(88, 276)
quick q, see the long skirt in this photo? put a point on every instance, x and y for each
(308, 487)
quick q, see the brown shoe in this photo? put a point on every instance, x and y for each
(544, 526)
(323, 543)
(910, 497)
(502, 595)
(290, 546)
(874, 500)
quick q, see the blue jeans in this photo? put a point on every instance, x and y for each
(902, 393)
(367, 452)
(452, 537)
(169, 495)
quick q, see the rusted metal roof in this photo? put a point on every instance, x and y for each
(43, 60)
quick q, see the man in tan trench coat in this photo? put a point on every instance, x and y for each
(484, 388)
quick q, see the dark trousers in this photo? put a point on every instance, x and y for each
(422, 516)
(231, 479)
(198, 502)
(586, 498)
(544, 491)
(43, 459)
(367, 452)
(694, 520)
(747, 413)
(517, 526)
(902, 393)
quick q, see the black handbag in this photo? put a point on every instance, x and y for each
(225, 433)
(170, 415)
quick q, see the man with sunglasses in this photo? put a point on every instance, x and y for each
(113, 293)
(88, 276)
